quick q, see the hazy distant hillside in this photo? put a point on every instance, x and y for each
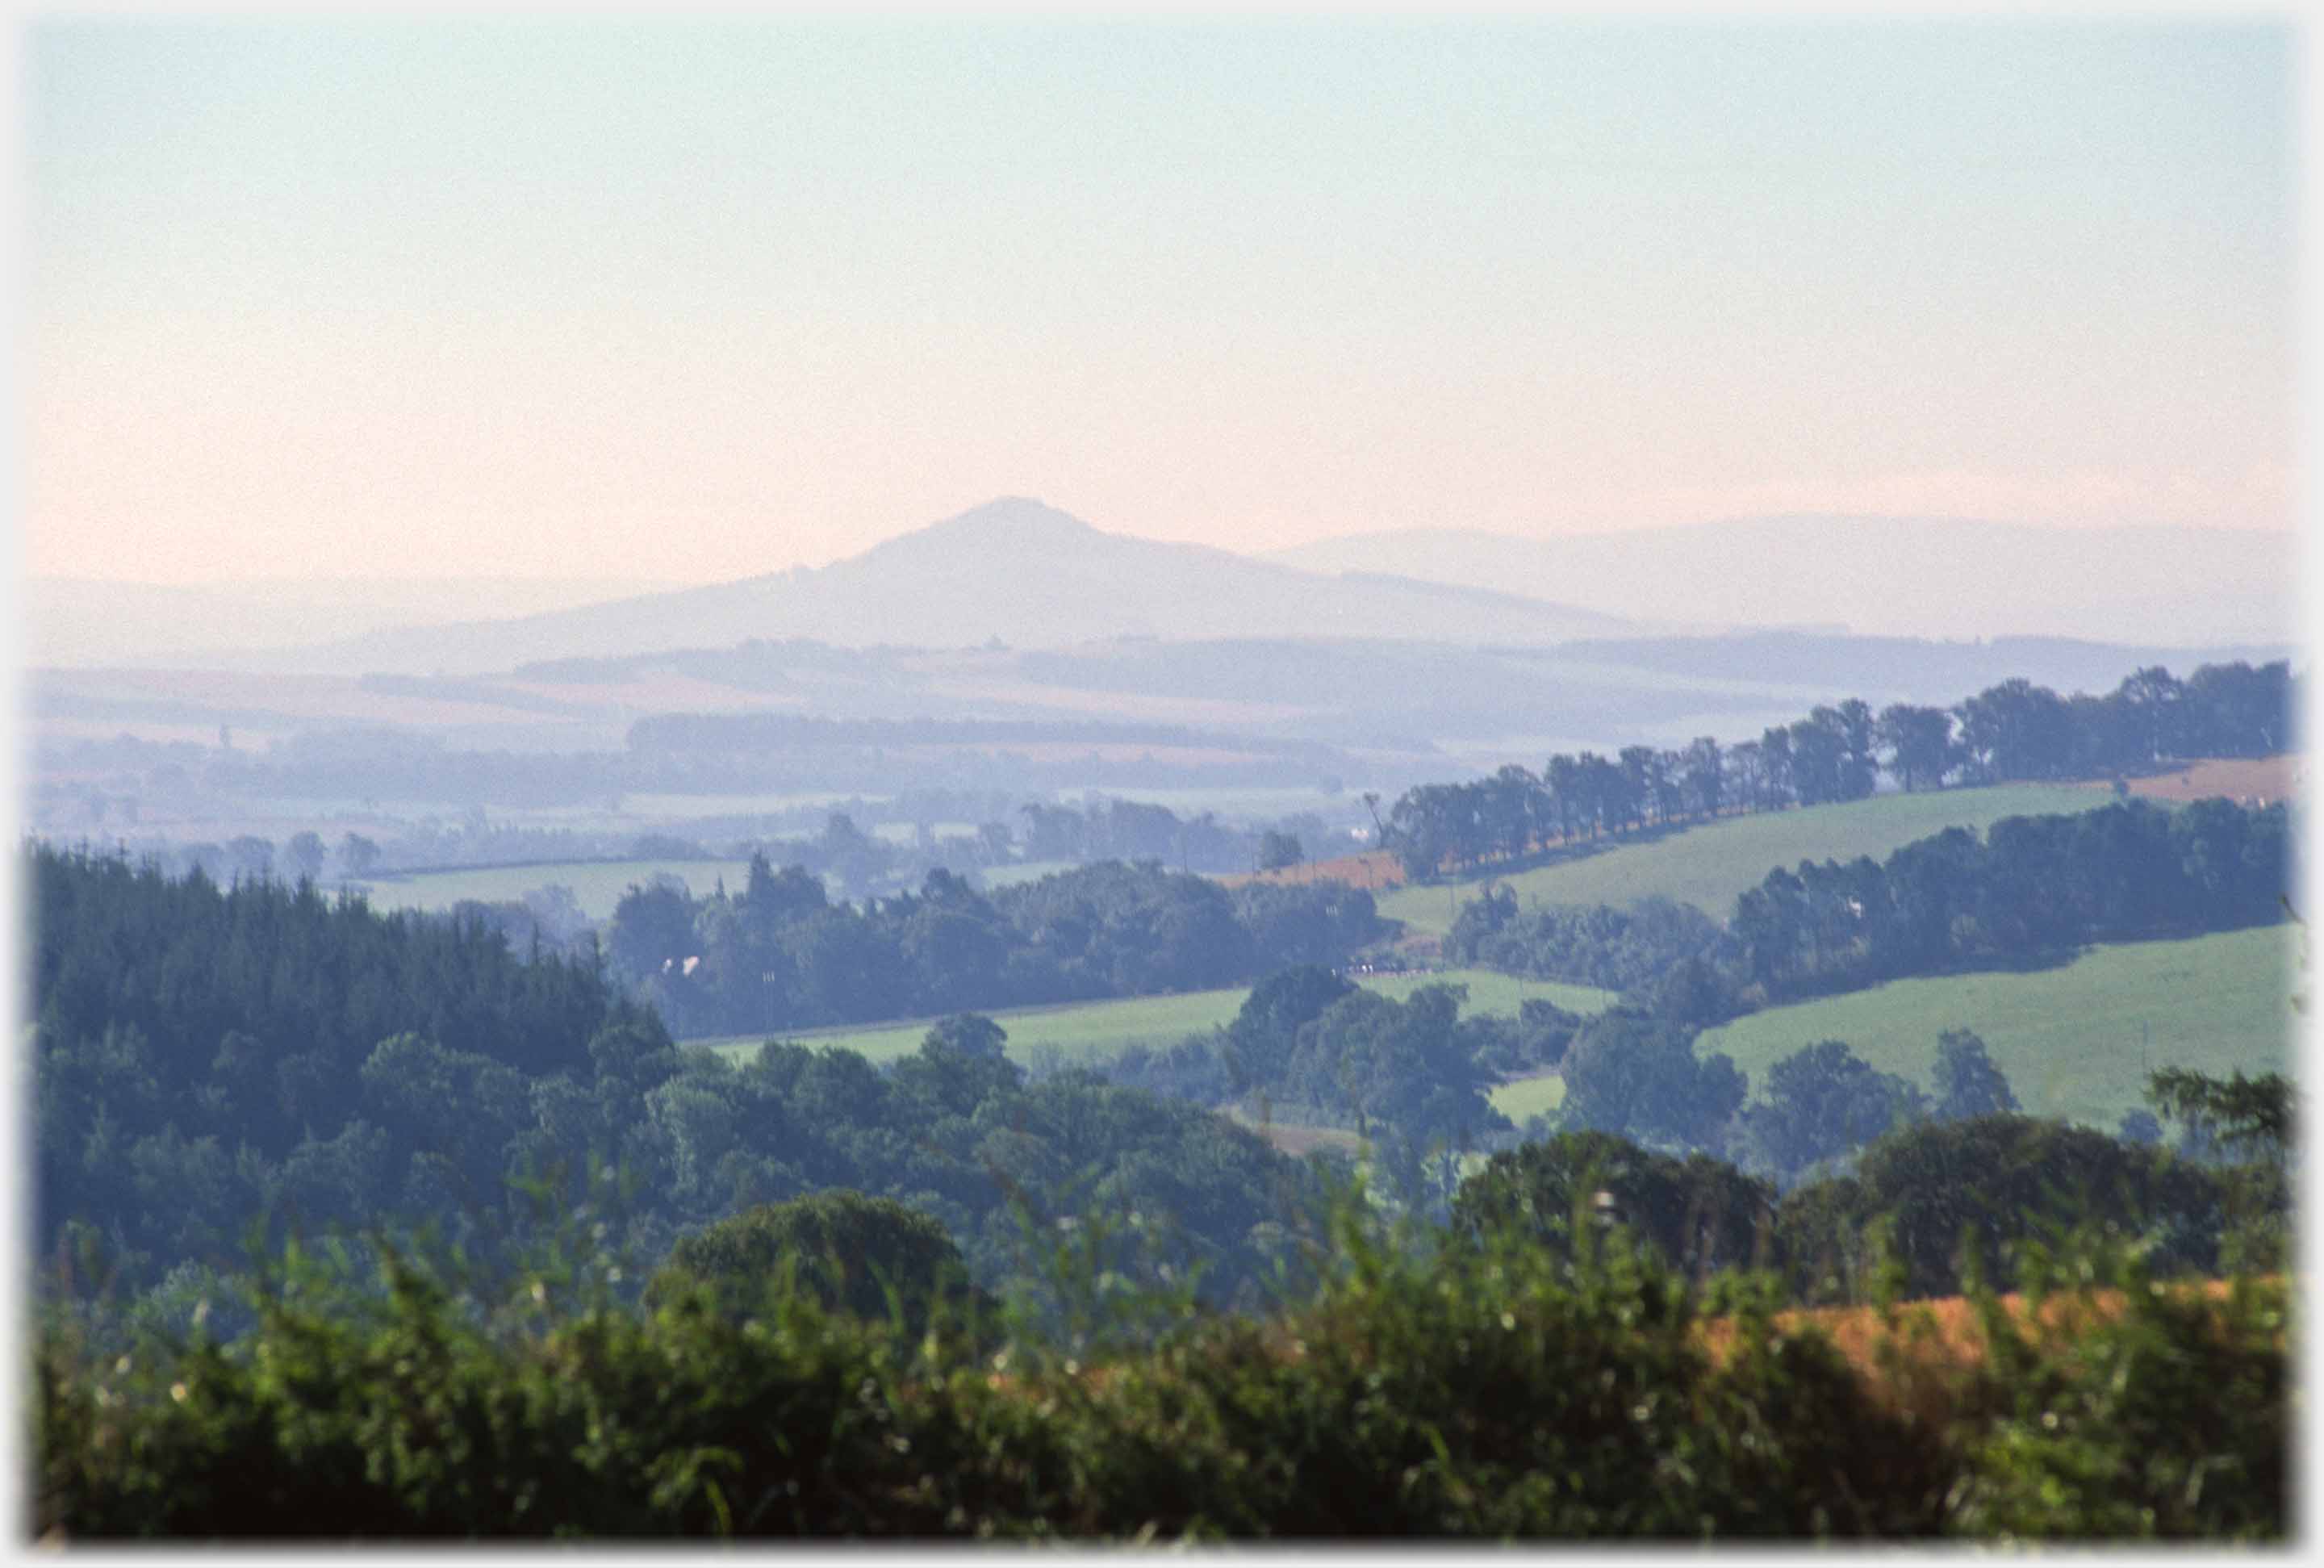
(80, 621)
(1013, 569)
(1901, 669)
(1888, 576)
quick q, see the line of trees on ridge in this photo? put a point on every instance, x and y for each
(2014, 731)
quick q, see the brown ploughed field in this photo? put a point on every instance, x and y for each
(2283, 777)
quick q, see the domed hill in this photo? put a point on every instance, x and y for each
(1014, 568)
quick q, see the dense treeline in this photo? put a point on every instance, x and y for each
(419, 767)
(1512, 1382)
(209, 1060)
(1622, 950)
(2010, 733)
(1470, 1361)
(2033, 889)
(2037, 886)
(779, 954)
(1310, 1048)
(1934, 1205)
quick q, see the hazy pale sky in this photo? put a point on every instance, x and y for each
(705, 301)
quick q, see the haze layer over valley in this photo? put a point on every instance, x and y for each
(1020, 652)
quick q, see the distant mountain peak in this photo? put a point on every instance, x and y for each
(1011, 516)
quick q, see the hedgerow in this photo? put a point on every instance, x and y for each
(1485, 1388)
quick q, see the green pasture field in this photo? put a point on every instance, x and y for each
(1521, 1098)
(597, 885)
(1707, 866)
(2075, 1042)
(1099, 1029)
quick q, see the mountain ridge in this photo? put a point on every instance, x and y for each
(1887, 574)
(1013, 569)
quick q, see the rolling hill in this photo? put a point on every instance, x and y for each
(2077, 1041)
(1013, 570)
(1709, 865)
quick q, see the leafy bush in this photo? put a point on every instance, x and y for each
(1496, 1389)
(864, 1256)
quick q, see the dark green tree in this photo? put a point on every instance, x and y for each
(1627, 1073)
(1265, 1027)
(1968, 1082)
(844, 1250)
(1818, 1103)
(1701, 1214)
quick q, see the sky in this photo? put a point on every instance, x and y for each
(694, 302)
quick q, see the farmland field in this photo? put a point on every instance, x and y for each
(1374, 868)
(1100, 1028)
(597, 885)
(2075, 1042)
(2278, 777)
(1707, 866)
(1521, 1098)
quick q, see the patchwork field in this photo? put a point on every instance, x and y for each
(2075, 1042)
(1098, 1030)
(1707, 866)
(597, 885)
(1374, 868)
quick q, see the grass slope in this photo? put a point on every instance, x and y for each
(1707, 866)
(2075, 1042)
(1100, 1028)
(1521, 1098)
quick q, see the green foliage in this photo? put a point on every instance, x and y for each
(1494, 1389)
(1628, 1073)
(1953, 1197)
(1266, 1030)
(1402, 1067)
(2252, 1114)
(1092, 1032)
(865, 1256)
(205, 1058)
(1533, 1409)
(1817, 1104)
(1708, 865)
(777, 957)
(199, 1071)
(2037, 885)
(1968, 1082)
(1698, 1215)
(2168, 1418)
(1613, 949)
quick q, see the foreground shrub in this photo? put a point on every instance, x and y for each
(2125, 1410)
(1494, 1389)
(866, 1256)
